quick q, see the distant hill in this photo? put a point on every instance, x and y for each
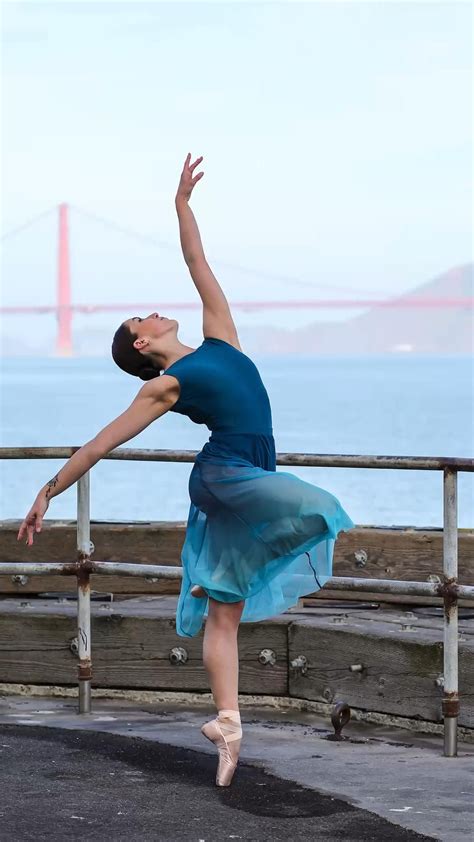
(427, 330)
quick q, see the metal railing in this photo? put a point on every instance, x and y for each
(448, 588)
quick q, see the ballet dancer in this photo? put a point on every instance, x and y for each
(256, 538)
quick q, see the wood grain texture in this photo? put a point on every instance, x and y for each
(406, 553)
(401, 653)
(383, 598)
(400, 664)
(131, 643)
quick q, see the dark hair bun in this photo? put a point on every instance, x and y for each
(148, 372)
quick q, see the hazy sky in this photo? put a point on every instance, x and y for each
(336, 139)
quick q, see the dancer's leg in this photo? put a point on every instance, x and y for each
(221, 659)
(220, 652)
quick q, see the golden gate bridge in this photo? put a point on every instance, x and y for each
(64, 308)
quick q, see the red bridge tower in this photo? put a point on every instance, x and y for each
(64, 312)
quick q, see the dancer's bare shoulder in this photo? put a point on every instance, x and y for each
(230, 338)
(165, 389)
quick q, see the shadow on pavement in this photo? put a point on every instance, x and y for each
(57, 784)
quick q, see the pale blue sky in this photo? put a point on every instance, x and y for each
(336, 139)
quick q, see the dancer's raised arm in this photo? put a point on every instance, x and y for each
(154, 399)
(217, 318)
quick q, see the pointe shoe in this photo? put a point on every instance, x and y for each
(198, 592)
(226, 734)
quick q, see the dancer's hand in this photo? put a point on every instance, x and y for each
(34, 519)
(187, 182)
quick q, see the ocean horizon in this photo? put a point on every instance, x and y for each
(385, 404)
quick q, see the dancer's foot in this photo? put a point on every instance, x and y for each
(198, 592)
(226, 734)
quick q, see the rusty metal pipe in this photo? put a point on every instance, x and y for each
(156, 571)
(450, 704)
(37, 568)
(84, 594)
(317, 460)
(103, 568)
(118, 568)
(453, 590)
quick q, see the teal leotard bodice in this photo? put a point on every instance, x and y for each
(222, 388)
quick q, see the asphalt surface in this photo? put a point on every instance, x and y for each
(58, 784)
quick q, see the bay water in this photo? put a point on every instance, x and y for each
(410, 405)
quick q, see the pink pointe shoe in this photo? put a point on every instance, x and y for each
(226, 734)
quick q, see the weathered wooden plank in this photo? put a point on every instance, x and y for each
(36, 649)
(130, 648)
(154, 542)
(384, 599)
(158, 542)
(400, 667)
(406, 620)
(389, 614)
(406, 553)
(131, 641)
(372, 552)
(100, 584)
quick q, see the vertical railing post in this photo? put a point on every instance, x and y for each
(450, 703)
(84, 594)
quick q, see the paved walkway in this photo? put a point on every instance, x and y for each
(137, 772)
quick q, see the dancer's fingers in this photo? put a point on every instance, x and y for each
(24, 530)
(196, 162)
(30, 534)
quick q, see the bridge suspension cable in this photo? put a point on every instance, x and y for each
(24, 225)
(150, 239)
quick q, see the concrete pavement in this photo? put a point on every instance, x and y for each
(144, 772)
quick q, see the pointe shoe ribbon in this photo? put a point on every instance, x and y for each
(223, 731)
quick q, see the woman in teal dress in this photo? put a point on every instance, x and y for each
(257, 539)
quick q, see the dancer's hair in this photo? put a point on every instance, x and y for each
(128, 358)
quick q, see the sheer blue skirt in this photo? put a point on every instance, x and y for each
(253, 533)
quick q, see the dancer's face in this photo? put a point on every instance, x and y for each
(149, 329)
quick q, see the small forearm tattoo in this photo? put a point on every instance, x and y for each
(51, 484)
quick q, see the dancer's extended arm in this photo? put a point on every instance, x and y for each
(154, 399)
(217, 317)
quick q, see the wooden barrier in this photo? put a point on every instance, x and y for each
(407, 553)
(384, 660)
(131, 645)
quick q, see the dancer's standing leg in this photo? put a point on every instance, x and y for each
(221, 660)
